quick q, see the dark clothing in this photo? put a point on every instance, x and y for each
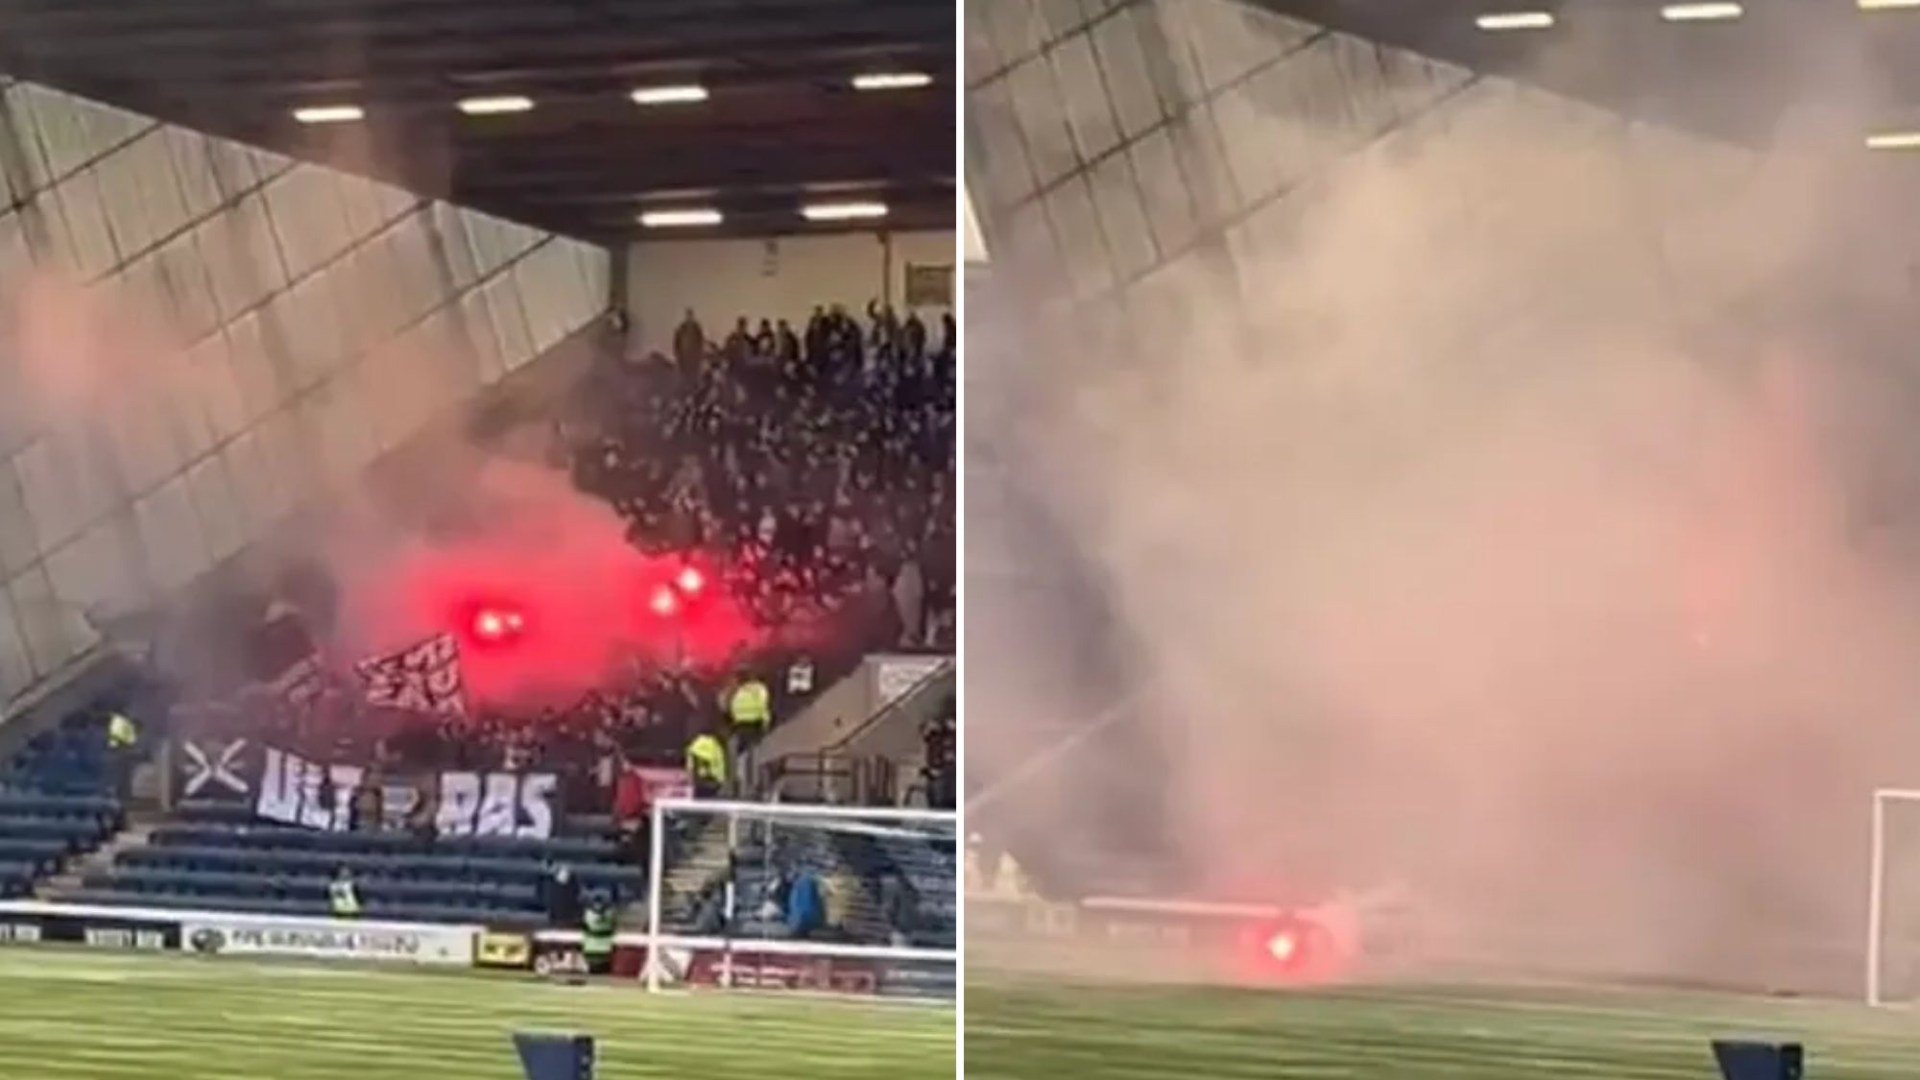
(561, 898)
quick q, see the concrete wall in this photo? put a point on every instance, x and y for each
(242, 334)
(1126, 156)
(722, 280)
(973, 243)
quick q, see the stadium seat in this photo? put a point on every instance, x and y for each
(277, 905)
(313, 887)
(221, 860)
(566, 850)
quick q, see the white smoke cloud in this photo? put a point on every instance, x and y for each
(1538, 543)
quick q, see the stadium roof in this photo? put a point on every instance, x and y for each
(1731, 68)
(781, 126)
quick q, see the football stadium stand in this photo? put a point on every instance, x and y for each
(39, 833)
(857, 540)
(368, 580)
(217, 856)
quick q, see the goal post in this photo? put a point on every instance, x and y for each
(852, 900)
(1893, 898)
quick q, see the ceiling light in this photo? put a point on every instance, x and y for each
(680, 219)
(846, 211)
(669, 95)
(329, 114)
(490, 106)
(1515, 20)
(892, 80)
(1894, 140)
(1888, 5)
(1705, 12)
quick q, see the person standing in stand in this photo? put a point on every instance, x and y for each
(749, 714)
(560, 896)
(707, 766)
(596, 936)
(123, 745)
(343, 895)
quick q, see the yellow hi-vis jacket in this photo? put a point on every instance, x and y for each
(707, 759)
(750, 705)
(343, 900)
(121, 732)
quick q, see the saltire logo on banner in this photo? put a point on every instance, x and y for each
(422, 678)
(219, 770)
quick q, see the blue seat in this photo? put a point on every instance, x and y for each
(151, 879)
(279, 905)
(75, 833)
(41, 853)
(210, 811)
(220, 856)
(34, 803)
(292, 837)
(472, 874)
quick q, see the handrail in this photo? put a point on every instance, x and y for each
(853, 769)
(866, 778)
(899, 703)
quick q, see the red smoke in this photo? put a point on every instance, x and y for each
(1290, 949)
(548, 598)
(554, 627)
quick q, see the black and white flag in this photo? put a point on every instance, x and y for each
(219, 772)
(421, 678)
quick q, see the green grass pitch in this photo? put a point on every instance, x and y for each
(1033, 1031)
(89, 1015)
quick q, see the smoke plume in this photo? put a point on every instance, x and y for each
(1531, 525)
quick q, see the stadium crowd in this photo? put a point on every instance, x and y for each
(819, 468)
(816, 468)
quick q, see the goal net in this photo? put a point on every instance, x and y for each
(777, 896)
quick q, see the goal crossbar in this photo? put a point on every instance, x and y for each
(882, 821)
(802, 811)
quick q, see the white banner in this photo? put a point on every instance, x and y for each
(329, 939)
(295, 791)
(422, 678)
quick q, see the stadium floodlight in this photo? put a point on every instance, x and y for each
(1514, 20)
(494, 106)
(892, 80)
(1894, 140)
(680, 219)
(329, 114)
(684, 94)
(843, 211)
(1714, 11)
(721, 908)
